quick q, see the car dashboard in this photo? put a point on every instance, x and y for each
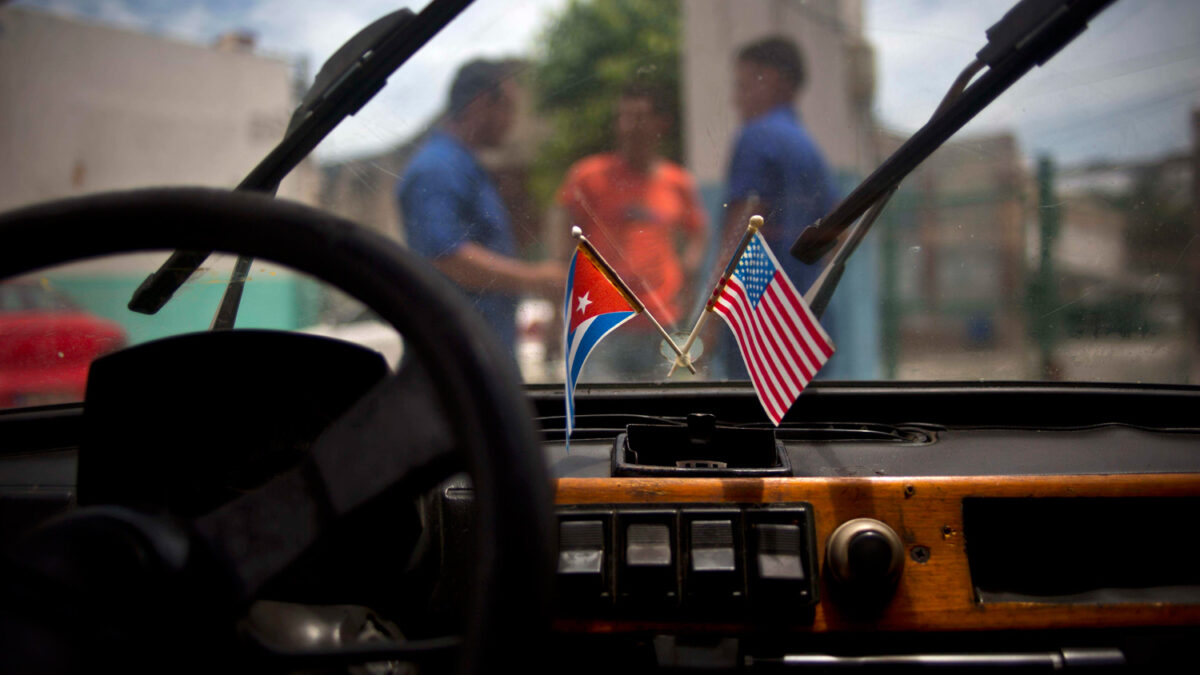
(905, 525)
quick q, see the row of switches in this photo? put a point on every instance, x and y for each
(717, 555)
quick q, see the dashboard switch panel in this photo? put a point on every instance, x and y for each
(682, 560)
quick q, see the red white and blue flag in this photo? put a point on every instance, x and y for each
(595, 305)
(781, 341)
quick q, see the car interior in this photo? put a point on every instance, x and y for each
(271, 500)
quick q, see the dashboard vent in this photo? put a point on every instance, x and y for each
(606, 427)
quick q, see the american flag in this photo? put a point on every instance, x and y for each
(781, 341)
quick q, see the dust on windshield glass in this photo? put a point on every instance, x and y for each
(1051, 239)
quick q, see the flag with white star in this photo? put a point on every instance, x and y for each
(780, 338)
(594, 307)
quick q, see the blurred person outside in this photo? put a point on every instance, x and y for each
(453, 213)
(776, 169)
(644, 214)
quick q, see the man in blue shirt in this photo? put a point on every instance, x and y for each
(776, 170)
(452, 212)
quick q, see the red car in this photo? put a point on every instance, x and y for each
(47, 344)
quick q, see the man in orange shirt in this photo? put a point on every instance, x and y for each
(644, 215)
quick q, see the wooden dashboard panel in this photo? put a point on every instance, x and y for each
(936, 595)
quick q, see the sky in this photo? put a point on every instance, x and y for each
(309, 31)
(1123, 90)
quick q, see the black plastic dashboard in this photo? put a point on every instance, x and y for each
(854, 451)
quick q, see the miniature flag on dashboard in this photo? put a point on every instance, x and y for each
(595, 306)
(597, 301)
(781, 341)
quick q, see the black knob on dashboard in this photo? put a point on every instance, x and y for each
(864, 553)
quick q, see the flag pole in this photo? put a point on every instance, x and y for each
(756, 222)
(633, 299)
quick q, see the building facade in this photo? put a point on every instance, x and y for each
(90, 108)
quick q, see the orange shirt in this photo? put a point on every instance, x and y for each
(634, 220)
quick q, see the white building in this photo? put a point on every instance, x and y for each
(88, 108)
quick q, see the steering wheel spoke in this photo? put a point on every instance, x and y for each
(393, 438)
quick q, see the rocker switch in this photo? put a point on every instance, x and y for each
(778, 552)
(648, 545)
(581, 547)
(712, 546)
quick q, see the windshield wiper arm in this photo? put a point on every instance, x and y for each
(350, 78)
(1028, 35)
(818, 295)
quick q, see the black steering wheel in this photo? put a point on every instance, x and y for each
(462, 406)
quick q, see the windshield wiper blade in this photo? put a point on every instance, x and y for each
(350, 78)
(1028, 35)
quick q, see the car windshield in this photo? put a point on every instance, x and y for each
(1052, 238)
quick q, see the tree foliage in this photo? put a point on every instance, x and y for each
(588, 54)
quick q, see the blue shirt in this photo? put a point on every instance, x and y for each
(447, 199)
(776, 159)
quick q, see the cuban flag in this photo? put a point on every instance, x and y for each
(594, 307)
